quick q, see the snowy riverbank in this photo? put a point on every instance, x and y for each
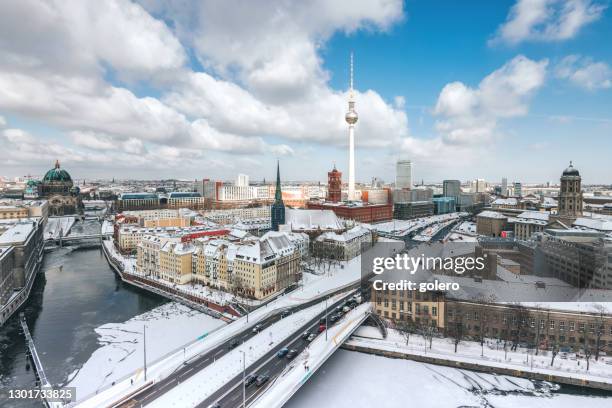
(168, 327)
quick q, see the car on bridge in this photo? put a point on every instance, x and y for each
(282, 352)
(291, 354)
(233, 344)
(250, 380)
(285, 313)
(311, 337)
(261, 380)
(257, 328)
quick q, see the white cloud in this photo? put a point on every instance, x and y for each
(2, 121)
(585, 72)
(84, 36)
(547, 20)
(470, 115)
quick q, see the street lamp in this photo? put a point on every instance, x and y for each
(243, 378)
(144, 336)
(326, 317)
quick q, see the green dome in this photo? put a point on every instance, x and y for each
(56, 174)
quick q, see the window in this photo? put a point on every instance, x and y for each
(592, 327)
(434, 311)
(561, 326)
(581, 327)
(552, 324)
(572, 325)
(541, 324)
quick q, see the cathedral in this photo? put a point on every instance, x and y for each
(58, 189)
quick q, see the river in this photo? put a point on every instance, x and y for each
(77, 293)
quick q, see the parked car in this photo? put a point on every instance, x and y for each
(305, 335)
(282, 352)
(311, 337)
(215, 405)
(233, 344)
(346, 309)
(250, 380)
(257, 328)
(321, 328)
(261, 380)
(291, 354)
(285, 313)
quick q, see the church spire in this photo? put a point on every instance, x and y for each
(278, 195)
(277, 212)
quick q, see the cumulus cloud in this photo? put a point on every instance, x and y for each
(469, 115)
(75, 66)
(546, 20)
(584, 72)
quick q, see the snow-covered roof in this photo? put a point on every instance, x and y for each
(505, 201)
(347, 236)
(491, 214)
(599, 224)
(308, 220)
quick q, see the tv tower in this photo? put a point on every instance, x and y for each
(351, 119)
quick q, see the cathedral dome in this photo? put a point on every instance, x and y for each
(571, 171)
(56, 174)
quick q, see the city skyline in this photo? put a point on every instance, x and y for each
(184, 107)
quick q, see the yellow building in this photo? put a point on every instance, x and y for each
(175, 262)
(410, 306)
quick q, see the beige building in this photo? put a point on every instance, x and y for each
(528, 223)
(410, 306)
(175, 262)
(13, 212)
(255, 268)
(490, 223)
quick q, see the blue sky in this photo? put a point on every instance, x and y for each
(157, 89)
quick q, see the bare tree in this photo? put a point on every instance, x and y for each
(599, 329)
(406, 328)
(588, 349)
(554, 350)
(456, 326)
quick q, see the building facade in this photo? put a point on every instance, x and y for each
(334, 185)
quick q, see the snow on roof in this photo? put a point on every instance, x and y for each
(16, 233)
(505, 201)
(599, 224)
(300, 219)
(535, 215)
(347, 236)
(491, 214)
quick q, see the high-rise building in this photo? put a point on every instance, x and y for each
(242, 180)
(351, 118)
(518, 189)
(504, 186)
(479, 186)
(451, 188)
(334, 185)
(403, 174)
(278, 208)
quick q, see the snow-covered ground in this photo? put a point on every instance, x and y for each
(310, 360)
(358, 380)
(55, 225)
(168, 327)
(493, 355)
